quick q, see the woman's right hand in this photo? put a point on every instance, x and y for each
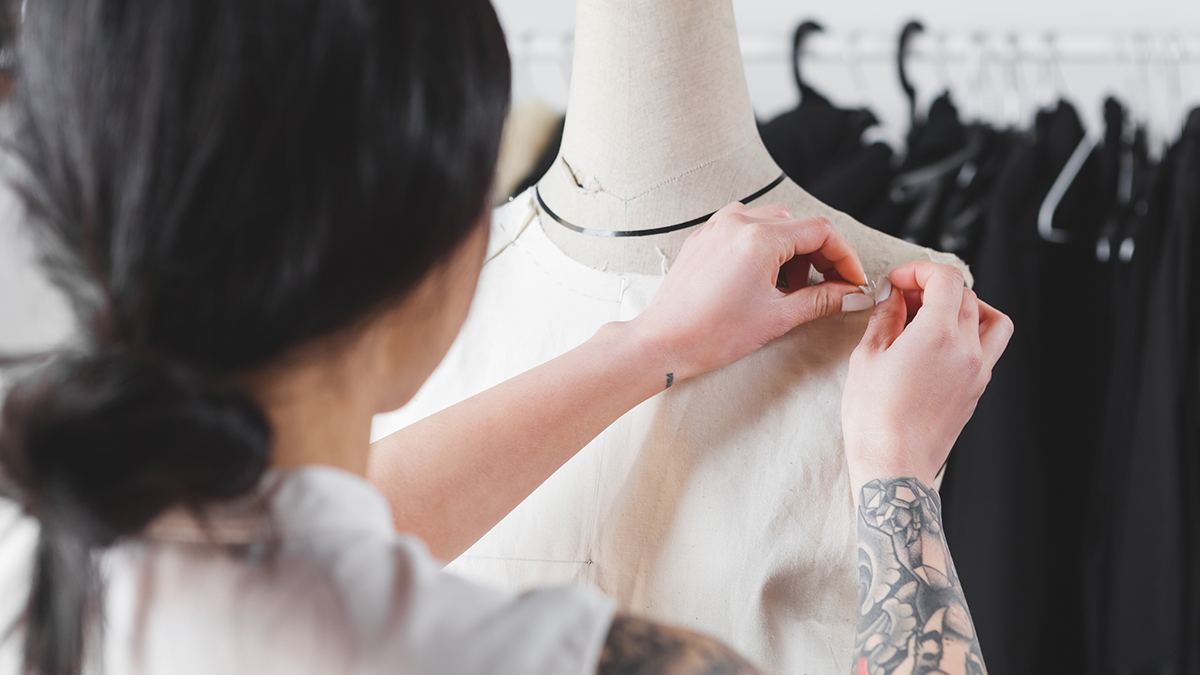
(911, 388)
(723, 299)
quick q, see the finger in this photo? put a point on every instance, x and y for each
(726, 211)
(968, 316)
(723, 214)
(913, 300)
(886, 324)
(833, 275)
(817, 235)
(795, 273)
(822, 264)
(814, 302)
(995, 330)
(826, 268)
(942, 286)
(769, 212)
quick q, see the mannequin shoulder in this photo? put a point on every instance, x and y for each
(880, 253)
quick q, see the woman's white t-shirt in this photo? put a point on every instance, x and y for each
(328, 587)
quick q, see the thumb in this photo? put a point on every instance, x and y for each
(887, 322)
(823, 299)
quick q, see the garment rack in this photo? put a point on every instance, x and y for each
(936, 46)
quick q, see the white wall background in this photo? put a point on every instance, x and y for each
(775, 15)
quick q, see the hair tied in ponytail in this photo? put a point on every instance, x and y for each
(96, 445)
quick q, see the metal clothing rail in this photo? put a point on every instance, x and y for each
(949, 47)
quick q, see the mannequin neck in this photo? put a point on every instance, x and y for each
(659, 129)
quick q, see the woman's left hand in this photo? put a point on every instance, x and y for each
(741, 280)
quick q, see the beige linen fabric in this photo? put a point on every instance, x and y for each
(343, 593)
(722, 504)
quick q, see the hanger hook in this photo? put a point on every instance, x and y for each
(944, 61)
(856, 68)
(1060, 81)
(1174, 80)
(802, 32)
(910, 29)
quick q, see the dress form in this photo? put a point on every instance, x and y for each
(660, 130)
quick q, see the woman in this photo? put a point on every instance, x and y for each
(271, 216)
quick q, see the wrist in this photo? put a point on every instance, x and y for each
(646, 362)
(858, 489)
(892, 465)
(661, 350)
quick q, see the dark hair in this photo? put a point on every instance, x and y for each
(228, 179)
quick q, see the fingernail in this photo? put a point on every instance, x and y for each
(883, 290)
(857, 302)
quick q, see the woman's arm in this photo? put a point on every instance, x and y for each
(909, 392)
(451, 477)
(913, 615)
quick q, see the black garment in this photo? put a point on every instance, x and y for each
(1120, 167)
(963, 219)
(1187, 214)
(855, 184)
(820, 147)
(937, 149)
(1144, 569)
(1015, 490)
(1128, 249)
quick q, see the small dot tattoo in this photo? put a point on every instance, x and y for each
(670, 380)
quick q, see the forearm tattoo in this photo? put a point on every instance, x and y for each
(639, 647)
(913, 616)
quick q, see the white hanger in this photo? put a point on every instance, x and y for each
(1045, 220)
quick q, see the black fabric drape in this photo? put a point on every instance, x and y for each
(1131, 245)
(1144, 568)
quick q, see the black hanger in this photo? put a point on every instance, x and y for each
(802, 32)
(910, 29)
